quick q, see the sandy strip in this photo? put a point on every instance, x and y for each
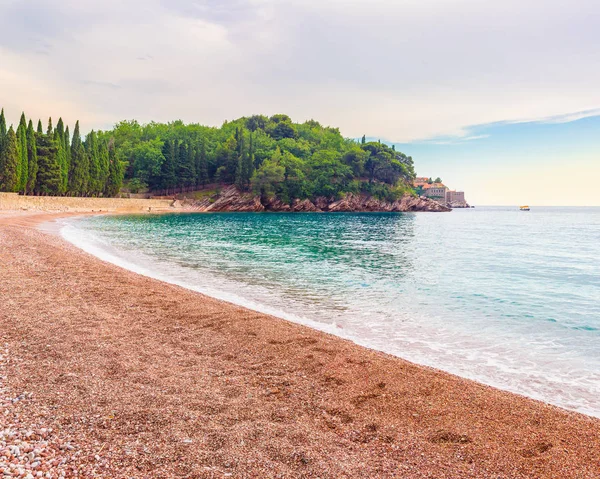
(150, 380)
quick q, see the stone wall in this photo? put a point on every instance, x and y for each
(13, 201)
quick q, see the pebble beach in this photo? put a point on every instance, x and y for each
(105, 373)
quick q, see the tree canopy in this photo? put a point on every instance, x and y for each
(50, 163)
(270, 156)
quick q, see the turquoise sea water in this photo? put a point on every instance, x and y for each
(505, 297)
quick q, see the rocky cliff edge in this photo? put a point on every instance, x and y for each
(231, 199)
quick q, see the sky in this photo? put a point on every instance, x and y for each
(499, 98)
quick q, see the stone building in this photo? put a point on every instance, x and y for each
(455, 196)
(436, 191)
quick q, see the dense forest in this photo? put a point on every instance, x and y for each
(53, 162)
(269, 156)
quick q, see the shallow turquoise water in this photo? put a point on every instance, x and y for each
(506, 297)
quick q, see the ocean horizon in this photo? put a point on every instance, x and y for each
(507, 298)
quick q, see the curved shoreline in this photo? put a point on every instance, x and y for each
(190, 385)
(144, 267)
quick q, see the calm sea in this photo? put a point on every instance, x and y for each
(509, 298)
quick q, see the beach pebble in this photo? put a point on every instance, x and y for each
(29, 451)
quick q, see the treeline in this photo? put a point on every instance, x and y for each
(53, 162)
(271, 156)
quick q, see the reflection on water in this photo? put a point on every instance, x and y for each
(509, 298)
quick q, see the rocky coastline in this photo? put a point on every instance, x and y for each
(231, 199)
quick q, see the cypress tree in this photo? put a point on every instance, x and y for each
(31, 159)
(22, 139)
(50, 130)
(9, 163)
(61, 159)
(249, 162)
(95, 185)
(67, 146)
(59, 137)
(48, 180)
(104, 163)
(79, 174)
(39, 128)
(3, 131)
(115, 172)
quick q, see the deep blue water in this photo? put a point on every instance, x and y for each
(506, 297)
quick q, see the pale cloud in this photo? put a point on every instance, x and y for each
(403, 71)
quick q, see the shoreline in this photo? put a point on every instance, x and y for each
(143, 268)
(317, 404)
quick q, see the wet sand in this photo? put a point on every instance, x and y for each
(150, 380)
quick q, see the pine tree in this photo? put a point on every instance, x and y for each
(39, 128)
(79, 174)
(22, 140)
(48, 180)
(31, 159)
(9, 163)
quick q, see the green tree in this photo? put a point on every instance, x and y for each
(48, 179)
(79, 174)
(146, 159)
(9, 163)
(294, 185)
(269, 177)
(186, 166)
(168, 180)
(32, 160)
(327, 173)
(23, 166)
(95, 180)
(3, 130)
(67, 148)
(63, 155)
(202, 176)
(115, 172)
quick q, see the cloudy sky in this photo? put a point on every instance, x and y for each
(500, 98)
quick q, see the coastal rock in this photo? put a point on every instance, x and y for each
(322, 203)
(304, 205)
(231, 199)
(459, 204)
(419, 203)
(275, 204)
